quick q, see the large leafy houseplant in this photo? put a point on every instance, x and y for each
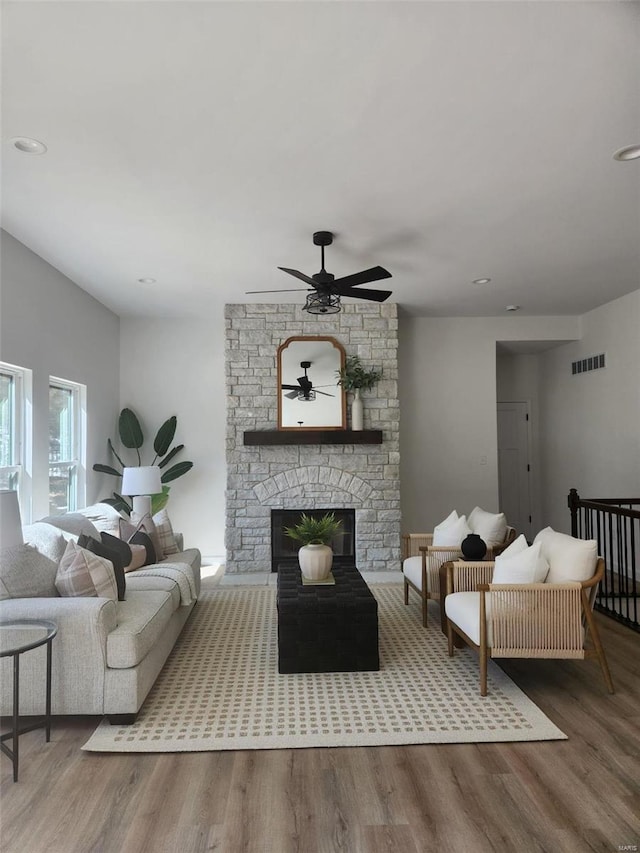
(132, 437)
(354, 376)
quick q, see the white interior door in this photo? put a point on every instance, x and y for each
(513, 465)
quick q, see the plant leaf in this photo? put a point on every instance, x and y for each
(170, 455)
(165, 435)
(176, 471)
(113, 450)
(118, 502)
(160, 500)
(130, 429)
(106, 469)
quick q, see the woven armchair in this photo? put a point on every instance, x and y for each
(421, 563)
(540, 620)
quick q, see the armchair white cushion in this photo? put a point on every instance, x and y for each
(450, 532)
(569, 559)
(491, 527)
(520, 563)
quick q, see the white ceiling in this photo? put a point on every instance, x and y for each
(201, 144)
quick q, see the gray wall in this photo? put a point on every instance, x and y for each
(53, 328)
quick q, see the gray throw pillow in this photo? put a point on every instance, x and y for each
(26, 573)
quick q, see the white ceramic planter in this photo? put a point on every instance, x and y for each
(315, 561)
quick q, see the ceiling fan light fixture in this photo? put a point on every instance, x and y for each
(322, 303)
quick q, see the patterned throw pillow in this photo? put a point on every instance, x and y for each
(133, 536)
(82, 573)
(165, 533)
(115, 555)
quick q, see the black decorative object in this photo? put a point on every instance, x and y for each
(473, 547)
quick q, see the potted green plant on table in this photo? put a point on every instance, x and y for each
(132, 437)
(354, 376)
(315, 533)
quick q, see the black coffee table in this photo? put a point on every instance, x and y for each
(326, 628)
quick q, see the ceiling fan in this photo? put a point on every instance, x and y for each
(324, 297)
(304, 390)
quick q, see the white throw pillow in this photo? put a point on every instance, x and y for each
(569, 559)
(491, 527)
(517, 546)
(523, 566)
(451, 533)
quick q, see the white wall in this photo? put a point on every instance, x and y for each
(447, 383)
(590, 429)
(52, 327)
(171, 367)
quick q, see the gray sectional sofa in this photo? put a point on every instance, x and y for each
(107, 654)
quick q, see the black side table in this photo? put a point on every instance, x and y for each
(16, 637)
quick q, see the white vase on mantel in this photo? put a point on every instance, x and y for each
(357, 414)
(315, 561)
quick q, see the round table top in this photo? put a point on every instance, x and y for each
(20, 635)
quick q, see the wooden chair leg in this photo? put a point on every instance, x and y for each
(450, 638)
(483, 670)
(424, 609)
(595, 636)
(406, 592)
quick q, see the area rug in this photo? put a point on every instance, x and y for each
(220, 689)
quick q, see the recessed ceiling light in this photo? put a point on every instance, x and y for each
(28, 146)
(481, 280)
(629, 152)
(147, 280)
(512, 308)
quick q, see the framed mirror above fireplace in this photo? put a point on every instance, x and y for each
(309, 396)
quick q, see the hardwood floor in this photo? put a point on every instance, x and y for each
(576, 795)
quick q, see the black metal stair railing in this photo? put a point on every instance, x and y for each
(615, 524)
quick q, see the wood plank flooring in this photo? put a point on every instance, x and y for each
(570, 796)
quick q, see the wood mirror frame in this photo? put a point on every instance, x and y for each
(326, 356)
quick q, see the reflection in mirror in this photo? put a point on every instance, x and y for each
(309, 396)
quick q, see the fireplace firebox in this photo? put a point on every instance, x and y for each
(284, 550)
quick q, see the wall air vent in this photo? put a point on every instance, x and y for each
(584, 365)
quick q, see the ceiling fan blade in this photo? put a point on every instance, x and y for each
(290, 387)
(364, 277)
(292, 395)
(364, 293)
(287, 290)
(323, 392)
(299, 275)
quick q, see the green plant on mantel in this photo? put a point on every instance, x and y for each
(132, 437)
(315, 531)
(355, 376)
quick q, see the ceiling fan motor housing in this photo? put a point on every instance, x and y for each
(322, 238)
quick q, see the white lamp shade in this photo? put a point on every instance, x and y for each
(10, 521)
(144, 480)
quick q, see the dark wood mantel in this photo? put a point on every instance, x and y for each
(312, 436)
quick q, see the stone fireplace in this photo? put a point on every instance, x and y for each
(318, 475)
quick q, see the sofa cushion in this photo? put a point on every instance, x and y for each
(104, 517)
(142, 618)
(165, 533)
(569, 559)
(114, 555)
(139, 582)
(72, 522)
(46, 539)
(490, 527)
(82, 573)
(27, 573)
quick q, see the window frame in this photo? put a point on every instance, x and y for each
(76, 464)
(20, 467)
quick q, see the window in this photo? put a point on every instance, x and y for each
(12, 406)
(66, 445)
